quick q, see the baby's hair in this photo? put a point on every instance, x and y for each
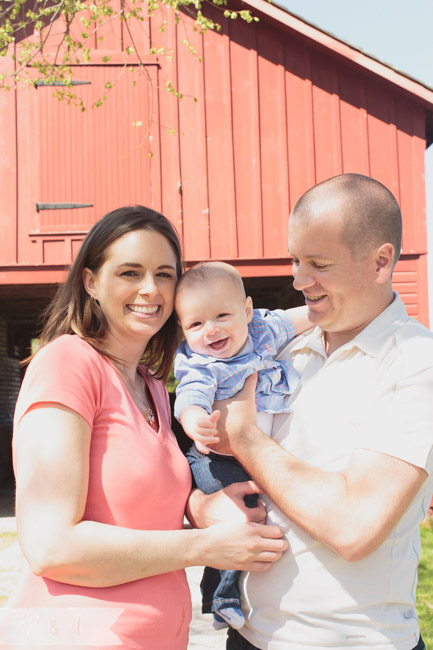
(209, 272)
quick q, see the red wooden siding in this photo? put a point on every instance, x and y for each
(79, 157)
(278, 117)
(219, 139)
(274, 115)
(8, 175)
(409, 280)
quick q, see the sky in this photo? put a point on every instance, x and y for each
(398, 32)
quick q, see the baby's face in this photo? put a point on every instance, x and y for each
(214, 318)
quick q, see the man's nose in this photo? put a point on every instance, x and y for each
(302, 278)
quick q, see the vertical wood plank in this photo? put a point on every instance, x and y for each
(219, 143)
(243, 56)
(382, 137)
(326, 111)
(405, 167)
(8, 167)
(164, 35)
(137, 33)
(109, 33)
(418, 175)
(192, 125)
(300, 128)
(28, 145)
(354, 134)
(273, 143)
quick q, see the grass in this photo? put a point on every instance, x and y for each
(7, 539)
(424, 599)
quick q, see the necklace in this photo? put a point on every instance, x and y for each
(149, 415)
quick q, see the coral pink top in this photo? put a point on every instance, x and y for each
(139, 479)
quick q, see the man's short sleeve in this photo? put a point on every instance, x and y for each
(399, 421)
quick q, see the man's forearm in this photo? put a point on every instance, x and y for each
(290, 483)
(351, 512)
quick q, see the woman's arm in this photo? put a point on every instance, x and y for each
(51, 458)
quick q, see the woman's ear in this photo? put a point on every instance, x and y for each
(249, 309)
(89, 282)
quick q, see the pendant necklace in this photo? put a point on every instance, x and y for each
(141, 398)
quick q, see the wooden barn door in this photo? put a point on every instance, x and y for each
(75, 166)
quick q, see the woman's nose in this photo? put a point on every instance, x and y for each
(148, 285)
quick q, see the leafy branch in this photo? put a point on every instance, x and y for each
(46, 38)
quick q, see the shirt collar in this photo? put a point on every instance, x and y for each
(370, 340)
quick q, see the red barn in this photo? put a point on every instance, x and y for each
(280, 106)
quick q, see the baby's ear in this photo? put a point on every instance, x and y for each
(249, 308)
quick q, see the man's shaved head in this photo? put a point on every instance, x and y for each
(369, 212)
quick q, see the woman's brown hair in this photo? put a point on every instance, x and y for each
(72, 311)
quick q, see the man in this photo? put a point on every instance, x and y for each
(348, 472)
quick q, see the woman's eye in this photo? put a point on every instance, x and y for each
(165, 275)
(129, 274)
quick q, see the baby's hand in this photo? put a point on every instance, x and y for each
(200, 426)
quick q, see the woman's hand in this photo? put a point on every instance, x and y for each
(242, 547)
(226, 505)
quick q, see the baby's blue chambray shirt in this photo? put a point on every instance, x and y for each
(203, 379)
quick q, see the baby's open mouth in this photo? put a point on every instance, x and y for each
(217, 345)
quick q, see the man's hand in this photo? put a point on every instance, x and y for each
(226, 505)
(237, 411)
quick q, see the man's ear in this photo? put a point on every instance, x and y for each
(384, 262)
(89, 282)
(249, 309)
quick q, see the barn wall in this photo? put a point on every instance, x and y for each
(274, 115)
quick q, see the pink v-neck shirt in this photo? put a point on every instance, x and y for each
(138, 479)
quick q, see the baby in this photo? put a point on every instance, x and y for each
(226, 340)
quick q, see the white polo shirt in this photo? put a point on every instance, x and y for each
(376, 393)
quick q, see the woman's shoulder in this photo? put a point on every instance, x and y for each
(66, 343)
(66, 350)
(63, 371)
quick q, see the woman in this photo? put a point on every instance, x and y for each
(101, 483)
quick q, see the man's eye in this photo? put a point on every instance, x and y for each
(319, 266)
